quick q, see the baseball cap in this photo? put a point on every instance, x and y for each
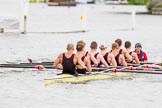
(138, 45)
(103, 46)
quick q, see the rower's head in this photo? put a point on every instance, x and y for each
(93, 45)
(119, 42)
(115, 46)
(138, 47)
(70, 46)
(80, 45)
(81, 41)
(127, 44)
(103, 46)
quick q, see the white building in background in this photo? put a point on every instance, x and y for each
(12, 14)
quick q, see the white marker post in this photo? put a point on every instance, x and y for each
(25, 13)
(85, 19)
(133, 19)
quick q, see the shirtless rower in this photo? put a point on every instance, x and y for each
(68, 60)
(120, 60)
(90, 55)
(97, 56)
(109, 58)
(123, 51)
(133, 54)
(80, 47)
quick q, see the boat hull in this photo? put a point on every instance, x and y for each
(66, 78)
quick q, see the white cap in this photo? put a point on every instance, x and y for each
(103, 46)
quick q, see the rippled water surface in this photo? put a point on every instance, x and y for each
(24, 88)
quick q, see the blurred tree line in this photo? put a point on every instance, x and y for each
(138, 2)
(149, 3)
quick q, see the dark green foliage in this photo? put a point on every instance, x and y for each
(138, 2)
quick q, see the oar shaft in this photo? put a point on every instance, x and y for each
(150, 63)
(42, 63)
(24, 66)
(143, 71)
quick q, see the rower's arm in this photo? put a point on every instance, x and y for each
(128, 56)
(81, 63)
(113, 61)
(94, 60)
(57, 61)
(103, 61)
(88, 64)
(124, 63)
(136, 58)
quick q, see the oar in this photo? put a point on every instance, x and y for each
(36, 63)
(103, 68)
(141, 68)
(45, 63)
(134, 65)
(149, 63)
(48, 65)
(154, 71)
(154, 66)
(151, 66)
(24, 66)
(117, 69)
(30, 60)
(144, 64)
(143, 71)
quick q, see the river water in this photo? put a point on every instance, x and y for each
(24, 88)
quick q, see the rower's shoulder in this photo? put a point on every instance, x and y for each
(76, 55)
(89, 53)
(86, 59)
(124, 51)
(111, 55)
(60, 55)
(99, 55)
(133, 53)
(121, 56)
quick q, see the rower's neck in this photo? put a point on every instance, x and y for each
(115, 51)
(70, 52)
(102, 52)
(80, 53)
(119, 47)
(93, 51)
(128, 49)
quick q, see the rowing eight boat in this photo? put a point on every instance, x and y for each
(103, 74)
(66, 78)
